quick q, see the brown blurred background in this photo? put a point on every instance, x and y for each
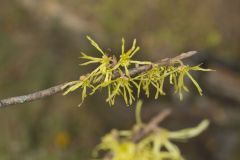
(41, 40)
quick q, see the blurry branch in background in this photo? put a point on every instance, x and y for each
(227, 86)
(48, 12)
(146, 130)
(151, 126)
(152, 142)
(148, 141)
(59, 88)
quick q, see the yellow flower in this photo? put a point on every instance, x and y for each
(62, 140)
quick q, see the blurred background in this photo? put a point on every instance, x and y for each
(40, 42)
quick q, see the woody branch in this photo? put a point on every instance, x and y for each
(59, 88)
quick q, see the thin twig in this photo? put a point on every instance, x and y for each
(56, 89)
(151, 126)
(31, 97)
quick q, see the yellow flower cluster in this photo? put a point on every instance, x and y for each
(102, 76)
(156, 146)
